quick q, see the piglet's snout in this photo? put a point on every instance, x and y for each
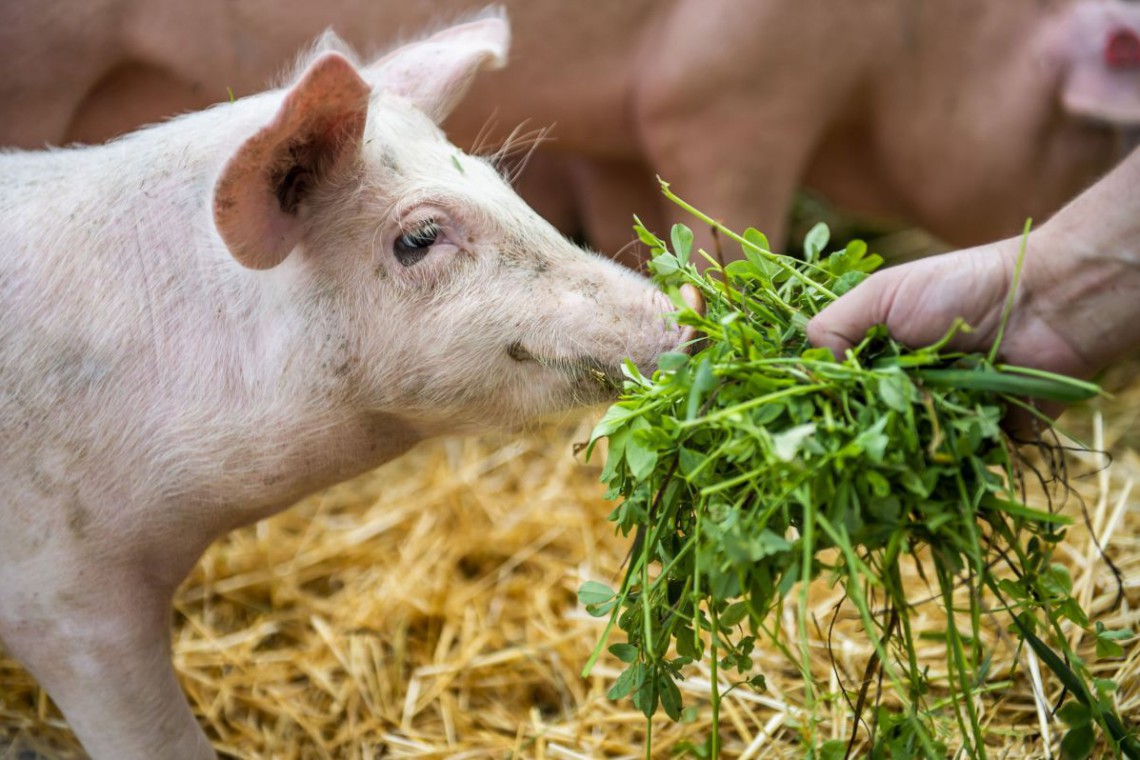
(667, 334)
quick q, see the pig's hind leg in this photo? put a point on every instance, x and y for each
(97, 638)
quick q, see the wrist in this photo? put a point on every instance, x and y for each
(1089, 261)
(1085, 287)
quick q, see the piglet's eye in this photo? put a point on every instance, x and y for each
(412, 246)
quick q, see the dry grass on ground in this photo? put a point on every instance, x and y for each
(429, 610)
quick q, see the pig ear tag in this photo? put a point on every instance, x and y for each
(1122, 49)
(316, 131)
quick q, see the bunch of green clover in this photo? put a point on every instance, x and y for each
(758, 462)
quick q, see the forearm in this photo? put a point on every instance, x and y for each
(1103, 223)
(1086, 279)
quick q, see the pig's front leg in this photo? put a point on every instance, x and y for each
(97, 637)
(724, 123)
(610, 192)
(742, 179)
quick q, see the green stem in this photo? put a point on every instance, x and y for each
(958, 669)
(647, 635)
(775, 258)
(795, 390)
(1092, 389)
(619, 605)
(714, 686)
(853, 586)
(801, 613)
(1012, 295)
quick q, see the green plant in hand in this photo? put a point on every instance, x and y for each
(759, 463)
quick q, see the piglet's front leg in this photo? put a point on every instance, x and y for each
(98, 639)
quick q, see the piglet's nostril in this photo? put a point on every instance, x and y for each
(518, 353)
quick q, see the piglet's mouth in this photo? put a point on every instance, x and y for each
(584, 367)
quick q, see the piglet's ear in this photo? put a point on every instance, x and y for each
(1100, 52)
(259, 197)
(436, 72)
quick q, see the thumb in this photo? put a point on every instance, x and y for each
(844, 323)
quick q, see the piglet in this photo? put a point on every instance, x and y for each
(208, 319)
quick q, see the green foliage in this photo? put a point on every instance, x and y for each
(760, 462)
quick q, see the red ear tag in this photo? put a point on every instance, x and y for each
(1122, 50)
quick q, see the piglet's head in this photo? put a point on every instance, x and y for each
(420, 283)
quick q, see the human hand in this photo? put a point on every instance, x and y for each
(1076, 310)
(1078, 302)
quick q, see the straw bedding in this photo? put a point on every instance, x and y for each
(429, 610)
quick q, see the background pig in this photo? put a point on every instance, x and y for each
(206, 320)
(961, 116)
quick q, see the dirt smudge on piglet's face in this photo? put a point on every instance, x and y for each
(516, 252)
(388, 160)
(78, 518)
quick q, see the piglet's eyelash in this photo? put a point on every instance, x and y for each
(421, 236)
(411, 247)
